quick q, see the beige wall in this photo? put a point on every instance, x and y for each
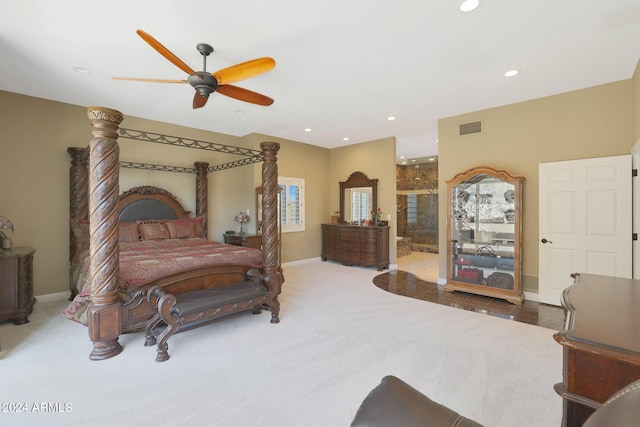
(298, 160)
(376, 159)
(592, 122)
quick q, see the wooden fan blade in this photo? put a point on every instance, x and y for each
(135, 79)
(199, 101)
(165, 52)
(244, 95)
(243, 71)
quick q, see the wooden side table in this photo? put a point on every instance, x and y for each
(247, 240)
(601, 350)
(16, 284)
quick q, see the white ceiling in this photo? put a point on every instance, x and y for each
(343, 66)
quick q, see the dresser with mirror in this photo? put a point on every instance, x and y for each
(357, 239)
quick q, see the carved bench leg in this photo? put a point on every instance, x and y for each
(163, 346)
(150, 338)
(153, 295)
(165, 304)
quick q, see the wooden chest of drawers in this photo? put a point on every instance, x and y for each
(247, 240)
(367, 246)
(16, 284)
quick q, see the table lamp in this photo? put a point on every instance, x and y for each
(241, 218)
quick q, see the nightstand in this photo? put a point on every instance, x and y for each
(247, 240)
(16, 284)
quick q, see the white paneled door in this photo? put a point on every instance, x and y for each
(585, 221)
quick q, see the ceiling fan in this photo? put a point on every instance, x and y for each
(206, 83)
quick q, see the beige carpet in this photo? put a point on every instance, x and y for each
(338, 336)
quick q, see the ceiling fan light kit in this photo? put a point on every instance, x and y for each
(206, 83)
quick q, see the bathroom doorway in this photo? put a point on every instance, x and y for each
(417, 216)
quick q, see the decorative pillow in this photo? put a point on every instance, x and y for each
(80, 230)
(180, 228)
(153, 230)
(128, 232)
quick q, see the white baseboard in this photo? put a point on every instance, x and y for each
(531, 296)
(58, 296)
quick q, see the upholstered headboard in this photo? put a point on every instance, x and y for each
(146, 209)
(148, 202)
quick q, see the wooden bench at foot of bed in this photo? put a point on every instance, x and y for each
(197, 308)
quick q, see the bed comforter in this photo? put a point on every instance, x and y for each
(146, 260)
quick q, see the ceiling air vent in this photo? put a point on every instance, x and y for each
(473, 127)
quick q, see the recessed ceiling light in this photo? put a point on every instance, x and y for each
(82, 70)
(391, 118)
(431, 159)
(346, 138)
(307, 129)
(404, 163)
(238, 111)
(512, 73)
(469, 5)
(402, 157)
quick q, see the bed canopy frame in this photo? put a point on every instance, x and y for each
(94, 196)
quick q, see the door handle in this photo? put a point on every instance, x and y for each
(546, 241)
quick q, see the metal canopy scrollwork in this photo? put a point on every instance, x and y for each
(187, 142)
(251, 156)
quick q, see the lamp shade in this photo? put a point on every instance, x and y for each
(241, 217)
(5, 223)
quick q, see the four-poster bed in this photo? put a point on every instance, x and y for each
(114, 291)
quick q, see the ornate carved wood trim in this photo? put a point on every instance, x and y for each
(103, 220)
(78, 200)
(358, 179)
(202, 192)
(270, 258)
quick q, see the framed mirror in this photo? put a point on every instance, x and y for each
(358, 197)
(484, 232)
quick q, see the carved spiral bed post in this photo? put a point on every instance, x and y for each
(270, 248)
(78, 201)
(202, 192)
(105, 321)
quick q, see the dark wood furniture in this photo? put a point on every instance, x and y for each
(367, 246)
(193, 309)
(94, 189)
(246, 240)
(16, 284)
(601, 343)
(484, 230)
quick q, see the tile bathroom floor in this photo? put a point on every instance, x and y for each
(417, 277)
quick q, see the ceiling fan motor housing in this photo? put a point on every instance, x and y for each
(203, 82)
